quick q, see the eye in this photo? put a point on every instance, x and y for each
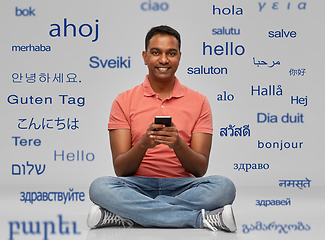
(155, 53)
(172, 54)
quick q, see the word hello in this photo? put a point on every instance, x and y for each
(287, 118)
(43, 228)
(282, 34)
(25, 12)
(84, 30)
(154, 6)
(277, 5)
(227, 49)
(78, 156)
(111, 63)
(227, 11)
(225, 97)
(31, 100)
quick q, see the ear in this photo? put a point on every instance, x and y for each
(144, 56)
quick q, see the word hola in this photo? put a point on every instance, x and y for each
(25, 12)
(111, 63)
(301, 101)
(228, 49)
(262, 118)
(78, 156)
(85, 30)
(154, 6)
(39, 170)
(42, 228)
(225, 97)
(227, 11)
(27, 142)
(275, 6)
(282, 34)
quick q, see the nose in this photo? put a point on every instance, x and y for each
(163, 59)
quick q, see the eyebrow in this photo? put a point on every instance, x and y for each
(171, 49)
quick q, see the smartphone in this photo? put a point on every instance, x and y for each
(166, 120)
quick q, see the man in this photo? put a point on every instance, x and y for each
(159, 168)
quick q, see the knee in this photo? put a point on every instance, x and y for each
(98, 187)
(225, 185)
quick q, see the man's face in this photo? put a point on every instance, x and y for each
(162, 57)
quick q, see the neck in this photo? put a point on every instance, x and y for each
(162, 87)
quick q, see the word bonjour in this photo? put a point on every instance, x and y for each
(52, 196)
(298, 183)
(59, 227)
(207, 70)
(24, 12)
(32, 100)
(227, 11)
(287, 118)
(285, 228)
(254, 166)
(277, 145)
(154, 6)
(31, 48)
(267, 203)
(56, 30)
(39, 170)
(78, 156)
(275, 5)
(111, 63)
(228, 49)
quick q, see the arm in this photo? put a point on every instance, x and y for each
(127, 159)
(194, 158)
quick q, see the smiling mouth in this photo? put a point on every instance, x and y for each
(163, 69)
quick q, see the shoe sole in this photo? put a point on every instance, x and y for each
(91, 221)
(228, 218)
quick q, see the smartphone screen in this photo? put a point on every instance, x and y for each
(166, 120)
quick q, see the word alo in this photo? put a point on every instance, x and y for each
(42, 228)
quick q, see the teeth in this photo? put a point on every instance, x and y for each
(163, 69)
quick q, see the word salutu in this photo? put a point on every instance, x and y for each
(42, 228)
(16, 170)
(13, 99)
(44, 78)
(225, 31)
(281, 228)
(237, 132)
(263, 63)
(52, 196)
(298, 183)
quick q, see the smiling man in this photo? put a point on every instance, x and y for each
(160, 168)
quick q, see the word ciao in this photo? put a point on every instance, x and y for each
(85, 30)
(154, 6)
(287, 118)
(59, 124)
(42, 228)
(277, 5)
(31, 48)
(16, 170)
(285, 228)
(44, 78)
(227, 11)
(254, 166)
(24, 12)
(32, 100)
(237, 132)
(298, 183)
(267, 203)
(52, 196)
(78, 156)
(227, 49)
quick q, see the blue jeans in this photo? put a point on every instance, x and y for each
(162, 202)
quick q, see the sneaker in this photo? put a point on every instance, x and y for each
(100, 217)
(221, 218)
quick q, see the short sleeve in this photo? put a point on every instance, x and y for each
(204, 123)
(118, 118)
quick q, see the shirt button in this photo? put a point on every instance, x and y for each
(157, 96)
(162, 106)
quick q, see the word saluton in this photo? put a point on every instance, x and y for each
(85, 30)
(119, 62)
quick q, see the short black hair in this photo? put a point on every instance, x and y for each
(163, 30)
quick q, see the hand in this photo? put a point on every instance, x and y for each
(161, 134)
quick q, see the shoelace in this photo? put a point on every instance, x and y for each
(111, 218)
(212, 220)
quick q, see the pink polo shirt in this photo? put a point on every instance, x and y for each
(136, 108)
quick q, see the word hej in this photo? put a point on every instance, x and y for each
(278, 5)
(13, 99)
(287, 118)
(43, 228)
(85, 30)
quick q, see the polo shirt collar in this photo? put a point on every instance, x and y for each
(177, 90)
